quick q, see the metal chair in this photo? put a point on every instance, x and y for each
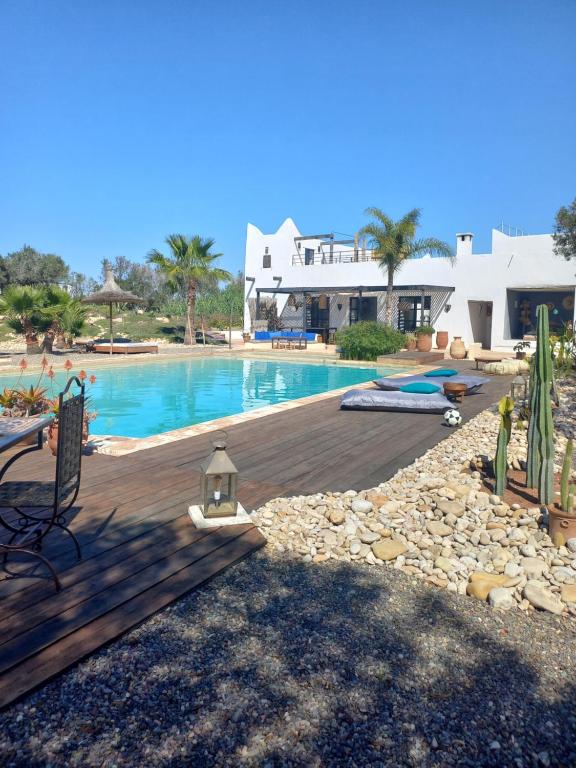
(56, 498)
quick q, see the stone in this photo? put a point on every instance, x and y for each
(542, 598)
(528, 550)
(438, 528)
(481, 583)
(337, 516)
(568, 593)
(377, 499)
(445, 564)
(362, 506)
(501, 598)
(355, 546)
(482, 500)
(533, 567)
(368, 537)
(388, 549)
(447, 507)
(571, 545)
(512, 569)
(498, 534)
(485, 538)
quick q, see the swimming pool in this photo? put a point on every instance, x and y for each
(145, 399)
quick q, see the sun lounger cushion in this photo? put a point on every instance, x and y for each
(441, 372)
(420, 387)
(381, 400)
(473, 383)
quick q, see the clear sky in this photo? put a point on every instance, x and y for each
(122, 121)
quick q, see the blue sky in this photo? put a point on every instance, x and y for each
(123, 121)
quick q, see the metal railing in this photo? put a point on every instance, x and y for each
(336, 257)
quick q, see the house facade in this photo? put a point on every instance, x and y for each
(321, 283)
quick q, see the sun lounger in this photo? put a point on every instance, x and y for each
(393, 400)
(473, 383)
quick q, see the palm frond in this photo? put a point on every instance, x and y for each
(434, 247)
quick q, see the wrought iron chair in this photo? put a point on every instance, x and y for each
(55, 498)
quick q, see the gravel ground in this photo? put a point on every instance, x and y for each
(277, 662)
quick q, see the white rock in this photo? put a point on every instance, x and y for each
(571, 545)
(542, 598)
(361, 506)
(501, 598)
(528, 550)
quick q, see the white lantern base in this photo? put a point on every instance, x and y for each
(240, 518)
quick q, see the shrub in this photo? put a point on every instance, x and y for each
(424, 330)
(368, 340)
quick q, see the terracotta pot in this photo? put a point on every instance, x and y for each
(424, 342)
(442, 339)
(246, 337)
(520, 355)
(561, 526)
(411, 345)
(53, 438)
(457, 349)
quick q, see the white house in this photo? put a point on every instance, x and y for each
(320, 283)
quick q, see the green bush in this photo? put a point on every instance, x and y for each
(424, 330)
(368, 340)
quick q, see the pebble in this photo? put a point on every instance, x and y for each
(434, 520)
(542, 598)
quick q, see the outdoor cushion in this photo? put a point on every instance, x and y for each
(441, 372)
(380, 400)
(473, 383)
(420, 387)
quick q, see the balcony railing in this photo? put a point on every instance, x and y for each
(336, 257)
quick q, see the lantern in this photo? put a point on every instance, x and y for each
(322, 301)
(218, 483)
(519, 390)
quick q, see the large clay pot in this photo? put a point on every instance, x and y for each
(457, 349)
(442, 339)
(561, 526)
(424, 342)
(411, 345)
(53, 438)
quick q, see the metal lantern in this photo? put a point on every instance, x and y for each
(519, 390)
(218, 483)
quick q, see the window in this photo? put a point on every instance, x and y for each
(266, 260)
(308, 256)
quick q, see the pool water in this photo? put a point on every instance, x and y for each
(145, 399)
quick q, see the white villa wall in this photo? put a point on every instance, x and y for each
(514, 263)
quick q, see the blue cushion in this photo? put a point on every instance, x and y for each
(420, 388)
(442, 372)
(378, 400)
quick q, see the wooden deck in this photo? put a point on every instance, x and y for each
(140, 549)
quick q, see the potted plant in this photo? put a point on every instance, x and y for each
(410, 341)
(520, 348)
(424, 338)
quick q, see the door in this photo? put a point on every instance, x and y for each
(480, 313)
(410, 312)
(318, 315)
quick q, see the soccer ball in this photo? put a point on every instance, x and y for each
(452, 417)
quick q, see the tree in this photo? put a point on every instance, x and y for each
(66, 315)
(393, 242)
(565, 232)
(190, 264)
(29, 267)
(24, 306)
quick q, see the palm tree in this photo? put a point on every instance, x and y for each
(66, 315)
(393, 242)
(189, 265)
(23, 305)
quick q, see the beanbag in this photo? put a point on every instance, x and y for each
(380, 400)
(473, 383)
(421, 388)
(441, 372)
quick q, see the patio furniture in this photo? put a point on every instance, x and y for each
(393, 400)
(284, 342)
(125, 348)
(473, 383)
(49, 500)
(455, 390)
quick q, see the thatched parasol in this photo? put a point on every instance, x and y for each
(111, 293)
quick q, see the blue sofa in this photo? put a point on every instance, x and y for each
(269, 335)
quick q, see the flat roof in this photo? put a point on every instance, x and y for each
(347, 288)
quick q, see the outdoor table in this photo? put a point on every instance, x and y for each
(15, 429)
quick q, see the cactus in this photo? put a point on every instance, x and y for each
(540, 472)
(565, 484)
(570, 504)
(505, 408)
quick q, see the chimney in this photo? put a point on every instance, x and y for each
(464, 244)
